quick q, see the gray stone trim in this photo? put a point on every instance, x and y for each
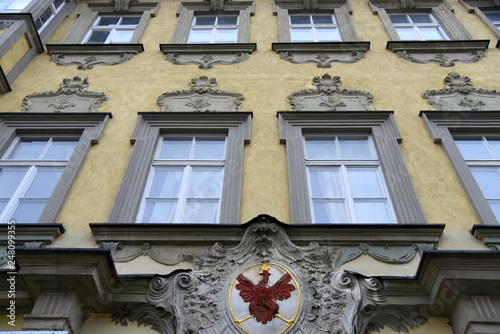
(478, 6)
(22, 25)
(89, 13)
(36, 8)
(151, 125)
(88, 125)
(489, 234)
(381, 125)
(442, 126)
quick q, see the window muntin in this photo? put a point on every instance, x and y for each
(494, 17)
(109, 29)
(420, 27)
(214, 29)
(185, 181)
(29, 173)
(313, 28)
(482, 155)
(345, 181)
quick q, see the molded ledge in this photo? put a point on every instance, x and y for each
(209, 48)
(489, 234)
(26, 233)
(438, 46)
(321, 47)
(94, 49)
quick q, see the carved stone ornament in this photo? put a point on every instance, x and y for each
(328, 96)
(460, 94)
(122, 5)
(87, 62)
(267, 284)
(444, 59)
(323, 60)
(217, 4)
(203, 96)
(206, 61)
(5, 25)
(71, 96)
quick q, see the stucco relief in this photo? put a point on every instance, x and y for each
(443, 59)
(203, 96)
(71, 96)
(87, 62)
(460, 94)
(324, 59)
(314, 295)
(328, 96)
(206, 61)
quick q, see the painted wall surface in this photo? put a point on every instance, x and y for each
(14, 54)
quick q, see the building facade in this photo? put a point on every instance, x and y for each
(266, 166)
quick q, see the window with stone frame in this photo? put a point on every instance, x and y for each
(214, 29)
(488, 11)
(109, 29)
(347, 167)
(184, 164)
(417, 26)
(40, 158)
(314, 28)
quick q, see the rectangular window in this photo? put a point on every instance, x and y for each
(494, 17)
(29, 173)
(13, 6)
(313, 28)
(482, 156)
(418, 27)
(214, 29)
(48, 14)
(111, 29)
(185, 181)
(345, 181)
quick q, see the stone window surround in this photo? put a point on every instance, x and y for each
(381, 125)
(479, 7)
(88, 125)
(442, 126)
(309, 52)
(151, 125)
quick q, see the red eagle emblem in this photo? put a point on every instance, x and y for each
(262, 296)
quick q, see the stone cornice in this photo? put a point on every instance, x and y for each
(438, 46)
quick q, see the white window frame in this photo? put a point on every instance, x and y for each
(313, 27)
(187, 165)
(416, 27)
(54, 10)
(215, 28)
(496, 23)
(113, 29)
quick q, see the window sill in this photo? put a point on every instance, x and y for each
(489, 234)
(207, 55)
(86, 56)
(444, 53)
(323, 54)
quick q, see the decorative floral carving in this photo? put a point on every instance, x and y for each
(85, 62)
(323, 60)
(444, 59)
(122, 5)
(207, 61)
(328, 96)
(460, 94)
(5, 25)
(203, 96)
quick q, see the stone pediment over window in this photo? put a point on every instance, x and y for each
(203, 96)
(460, 94)
(328, 96)
(71, 96)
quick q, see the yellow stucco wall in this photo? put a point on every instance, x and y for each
(14, 54)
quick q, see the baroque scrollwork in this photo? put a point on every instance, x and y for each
(87, 62)
(446, 59)
(5, 25)
(460, 94)
(206, 61)
(203, 96)
(322, 60)
(328, 96)
(71, 96)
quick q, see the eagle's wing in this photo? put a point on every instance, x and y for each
(246, 287)
(281, 289)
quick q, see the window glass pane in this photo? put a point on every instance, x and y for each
(200, 211)
(10, 178)
(123, 36)
(472, 149)
(18, 5)
(495, 207)
(372, 211)
(493, 16)
(159, 211)
(322, 19)
(488, 180)
(58, 3)
(495, 147)
(325, 182)
(209, 149)
(3, 204)
(60, 150)
(407, 34)
(98, 37)
(166, 182)
(300, 19)
(226, 35)
(108, 20)
(301, 35)
(28, 150)
(355, 149)
(46, 15)
(364, 182)
(175, 149)
(321, 149)
(421, 18)
(329, 212)
(227, 20)
(205, 182)
(44, 182)
(204, 20)
(399, 18)
(130, 20)
(431, 33)
(200, 36)
(327, 34)
(28, 211)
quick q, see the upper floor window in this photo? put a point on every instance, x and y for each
(13, 6)
(110, 29)
(482, 156)
(494, 17)
(313, 28)
(185, 181)
(48, 14)
(420, 27)
(345, 181)
(214, 29)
